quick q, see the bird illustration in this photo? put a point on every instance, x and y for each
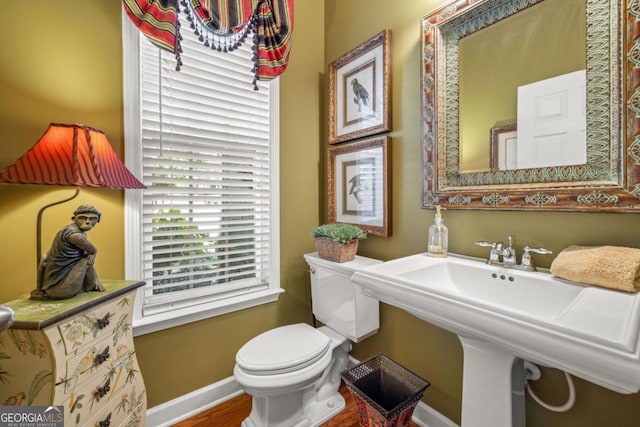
(361, 94)
(15, 400)
(121, 350)
(85, 363)
(356, 187)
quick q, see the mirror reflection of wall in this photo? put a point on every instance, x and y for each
(544, 41)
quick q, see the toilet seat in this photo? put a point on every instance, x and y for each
(282, 350)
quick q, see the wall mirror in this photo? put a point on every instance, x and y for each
(480, 61)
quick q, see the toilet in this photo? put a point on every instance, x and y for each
(293, 372)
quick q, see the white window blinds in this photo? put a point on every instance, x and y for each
(207, 161)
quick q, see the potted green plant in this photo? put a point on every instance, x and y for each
(337, 242)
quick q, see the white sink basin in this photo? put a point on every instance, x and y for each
(590, 332)
(509, 290)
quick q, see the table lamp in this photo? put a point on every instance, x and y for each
(69, 155)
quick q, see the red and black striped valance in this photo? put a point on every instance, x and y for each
(221, 25)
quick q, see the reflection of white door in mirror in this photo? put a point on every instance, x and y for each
(552, 122)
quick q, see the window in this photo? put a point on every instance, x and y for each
(204, 233)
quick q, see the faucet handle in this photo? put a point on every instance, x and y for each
(483, 243)
(496, 250)
(541, 251)
(527, 264)
(492, 245)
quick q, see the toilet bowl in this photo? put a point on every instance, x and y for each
(293, 372)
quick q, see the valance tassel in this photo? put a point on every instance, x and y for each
(178, 46)
(270, 21)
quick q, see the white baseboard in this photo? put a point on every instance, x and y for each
(200, 400)
(425, 416)
(193, 403)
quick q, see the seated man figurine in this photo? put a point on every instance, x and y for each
(67, 269)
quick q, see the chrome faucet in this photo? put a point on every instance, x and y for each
(509, 254)
(506, 255)
(527, 263)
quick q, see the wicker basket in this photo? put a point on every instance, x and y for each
(336, 251)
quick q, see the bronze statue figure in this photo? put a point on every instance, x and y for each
(67, 269)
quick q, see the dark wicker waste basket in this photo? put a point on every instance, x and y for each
(385, 392)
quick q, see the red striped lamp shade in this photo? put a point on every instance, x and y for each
(73, 155)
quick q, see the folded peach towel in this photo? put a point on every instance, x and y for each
(612, 267)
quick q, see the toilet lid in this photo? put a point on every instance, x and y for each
(283, 349)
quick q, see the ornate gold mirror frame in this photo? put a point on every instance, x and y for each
(608, 182)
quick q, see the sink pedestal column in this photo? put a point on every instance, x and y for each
(492, 386)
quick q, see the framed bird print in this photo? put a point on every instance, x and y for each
(358, 188)
(359, 90)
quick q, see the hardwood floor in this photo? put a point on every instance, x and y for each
(232, 412)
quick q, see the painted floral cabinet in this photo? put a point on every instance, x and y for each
(77, 353)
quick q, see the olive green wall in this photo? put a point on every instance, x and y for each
(64, 64)
(428, 350)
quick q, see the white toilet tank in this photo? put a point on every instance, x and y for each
(337, 302)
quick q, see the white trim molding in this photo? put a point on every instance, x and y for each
(188, 405)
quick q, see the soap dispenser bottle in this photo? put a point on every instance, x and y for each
(438, 237)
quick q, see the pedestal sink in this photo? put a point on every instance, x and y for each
(504, 316)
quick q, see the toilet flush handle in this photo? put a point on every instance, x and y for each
(312, 270)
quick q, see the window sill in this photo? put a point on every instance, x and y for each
(158, 322)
